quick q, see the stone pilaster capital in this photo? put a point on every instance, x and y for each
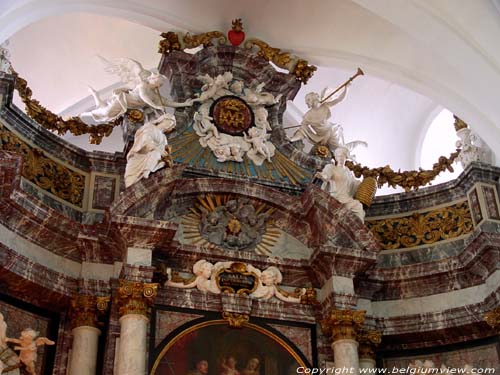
(343, 324)
(368, 341)
(88, 310)
(136, 297)
(493, 318)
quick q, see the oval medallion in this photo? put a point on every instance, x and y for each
(231, 115)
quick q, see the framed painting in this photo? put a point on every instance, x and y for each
(213, 348)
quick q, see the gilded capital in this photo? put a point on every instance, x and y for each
(135, 297)
(368, 341)
(493, 318)
(88, 310)
(343, 324)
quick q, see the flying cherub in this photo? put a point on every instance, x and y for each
(141, 90)
(28, 343)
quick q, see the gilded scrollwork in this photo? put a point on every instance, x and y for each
(235, 320)
(169, 43)
(88, 310)
(408, 180)
(423, 228)
(44, 172)
(343, 324)
(493, 318)
(205, 39)
(53, 122)
(135, 297)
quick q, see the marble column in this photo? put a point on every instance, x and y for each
(86, 313)
(368, 341)
(342, 326)
(135, 300)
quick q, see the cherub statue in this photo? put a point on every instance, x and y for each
(150, 149)
(472, 147)
(203, 125)
(213, 88)
(315, 126)
(203, 271)
(268, 286)
(261, 118)
(5, 65)
(256, 97)
(339, 181)
(142, 90)
(28, 343)
(261, 149)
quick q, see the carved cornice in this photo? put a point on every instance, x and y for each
(135, 297)
(343, 324)
(423, 228)
(368, 341)
(88, 310)
(493, 318)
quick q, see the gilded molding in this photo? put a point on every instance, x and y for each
(135, 297)
(493, 318)
(422, 228)
(408, 180)
(88, 310)
(235, 320)
(368, 341)
(44, 172)
(343, 324)
(205, 39)
(55, 123)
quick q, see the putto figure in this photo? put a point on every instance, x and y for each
(142, 90)
(27, 346)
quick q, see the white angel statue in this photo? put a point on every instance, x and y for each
(149, 150)
(142, 90)
(28, 343)
(268, 287)
(261, 149)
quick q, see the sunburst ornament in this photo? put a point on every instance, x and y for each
(231, 223)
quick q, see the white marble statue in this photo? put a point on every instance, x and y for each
(315, 126)
(213, 88)
(27, 346)
(227, 147)
(5, 65)
(340, 182)
(203, 281)
(255, 96)
(142, 90)
(261, 149)
(472, 148)
(203, 125)
(149, 149)
(260, 118)
(268, 286)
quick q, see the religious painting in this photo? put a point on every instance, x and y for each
(214, 348)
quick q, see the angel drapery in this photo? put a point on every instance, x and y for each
(141, 90)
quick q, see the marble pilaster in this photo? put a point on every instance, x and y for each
(343, 327)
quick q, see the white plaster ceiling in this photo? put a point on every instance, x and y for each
(419, 56)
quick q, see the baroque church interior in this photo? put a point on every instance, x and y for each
(267, 188)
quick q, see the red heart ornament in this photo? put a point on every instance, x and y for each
(236, 37)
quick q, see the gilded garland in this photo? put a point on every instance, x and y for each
(53, 122)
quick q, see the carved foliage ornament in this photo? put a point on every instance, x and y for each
(88, 310)
(44, 172)
(136, 297)
(423, 228)
(368, 341)
(235, 320)
(343, 324)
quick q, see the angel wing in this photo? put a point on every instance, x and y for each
(43, 341)
(352, 145)
(131, 72)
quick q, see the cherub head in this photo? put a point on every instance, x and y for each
(312, 100)
(203, 268)
(253, 364)
(271, 276)
(28, 334)
(156, 80)
(237, 87)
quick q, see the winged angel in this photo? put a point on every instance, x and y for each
(142, 89)
(28, 343)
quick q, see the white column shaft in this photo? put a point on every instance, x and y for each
(345, 352)
(367, 363)
(84, 351)
(132, 350)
